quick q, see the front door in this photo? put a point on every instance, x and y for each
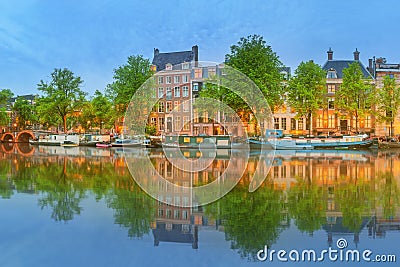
(343, 125)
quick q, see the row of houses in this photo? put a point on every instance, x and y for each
(180, 77)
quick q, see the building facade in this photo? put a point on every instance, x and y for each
(379, 68)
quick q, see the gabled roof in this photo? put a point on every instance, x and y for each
(339, 65)
(174, 58)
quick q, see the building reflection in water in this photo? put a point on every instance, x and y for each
(341, 192)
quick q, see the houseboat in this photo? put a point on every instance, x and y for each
(55, 139)
(198, 141)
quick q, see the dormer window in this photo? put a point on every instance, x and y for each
(168, 66)
(185, 66)
(331, 74)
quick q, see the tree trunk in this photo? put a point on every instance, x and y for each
(391, 128)
(309, 124)
(65, 123)
(356, 124)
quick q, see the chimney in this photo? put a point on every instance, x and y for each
(330, 54)
(156, 51)
(195, 50)
(356, 55)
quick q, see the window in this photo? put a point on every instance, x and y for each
(177, 91)
(168, 66)
(185, 91)
(292, 124)
(177, 123)
(276, 123)
(283, 123)
(184, 212)
(160, 79)
(177, 106)
(331, 74)
(319, 121)
(331, 121)
(186, 123)
(195, 87)
(161, 124)
(331, 88)
(185, 66)
(176, 214)
(211, 72)
(177, 79)
(185, 79)
(160, 92)
(331, 103)
(169, 106)
(300, 123)
(197, 73)
(168, 79)
(169, 93)
(168, 214)
(161, 107)
(368, 121)
(153, 121)
(160, 212)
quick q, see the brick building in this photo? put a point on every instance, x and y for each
(379, 68)
(329, 119)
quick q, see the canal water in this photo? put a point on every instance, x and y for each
(81, 206)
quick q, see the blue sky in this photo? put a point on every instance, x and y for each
(91, 38)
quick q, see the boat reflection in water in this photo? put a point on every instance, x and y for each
(324, 194)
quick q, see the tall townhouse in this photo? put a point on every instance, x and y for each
(173, 79)
(330, 120)
(379, 68)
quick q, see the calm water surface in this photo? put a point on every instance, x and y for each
(81, 207)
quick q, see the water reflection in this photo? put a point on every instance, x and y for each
(338, 192)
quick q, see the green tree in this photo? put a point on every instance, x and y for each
(24, 111)
(127, 79)
(4, 118)
(388, 99)
(102, 109)
(62, 95)
(307, 90)
(254, 58)
(355, 94)
(5, 95)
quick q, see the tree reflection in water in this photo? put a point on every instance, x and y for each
(353, 191)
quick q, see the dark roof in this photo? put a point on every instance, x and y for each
(339, 65)
(26, 97)
(174, 58)
(176, 235)
(339, 228)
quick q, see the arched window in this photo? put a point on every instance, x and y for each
(331, 74)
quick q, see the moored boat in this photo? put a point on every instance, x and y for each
(103, 144)
(385, 144)
(126, 143)
(346, 142)
(198, 141)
